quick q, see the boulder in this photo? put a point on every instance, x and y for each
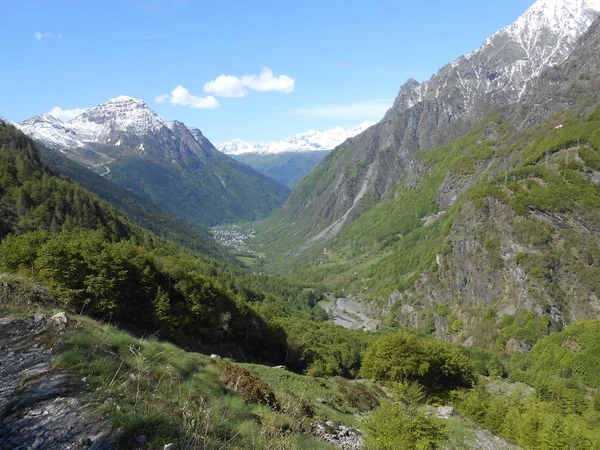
(445, 412)
(60, 319)
(39, 317)
(215, 357)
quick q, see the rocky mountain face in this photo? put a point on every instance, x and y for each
(429, 114)
(490, 239)
(290, 160)
(541, 257)
(164, 162)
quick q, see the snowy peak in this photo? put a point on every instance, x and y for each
(310, 141)
(50, 130)
(121, 114)
(567, 17)
(43, 119)
(236, 147)
(123, 122)
(497, 72)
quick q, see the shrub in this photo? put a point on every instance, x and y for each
(250, 388)
(405, 357)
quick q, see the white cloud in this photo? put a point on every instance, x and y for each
(368, 109)
(226, 86)
(231, 86)
(40, 36)
(65, 114)
(181, 96)
(266, 82)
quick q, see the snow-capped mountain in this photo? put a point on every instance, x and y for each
(51, 131)
(543, 36)
(236, 147)
(435, 112)
(122, 114)
(309, 141)
(125, 123)
(165, 162)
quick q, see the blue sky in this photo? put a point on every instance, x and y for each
(203, 63)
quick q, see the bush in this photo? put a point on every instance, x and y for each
(250, 388)
(405, 357)
(401, 424)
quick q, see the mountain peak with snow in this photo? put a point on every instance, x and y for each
(309, 141)
(120, 114)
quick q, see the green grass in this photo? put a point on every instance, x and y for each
(154, 388)
(337, 392)
(170, 395)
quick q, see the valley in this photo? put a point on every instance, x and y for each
(425, 281)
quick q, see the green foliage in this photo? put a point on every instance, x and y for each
(215, 191)
(324, 348)
(45, 202)
(526, 327)
(571, 354)
(140, 211)
(533, 423)
(402, 424)
(406, 357)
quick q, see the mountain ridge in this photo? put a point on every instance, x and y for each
(308, 141)
(426, 115)
(164, 162)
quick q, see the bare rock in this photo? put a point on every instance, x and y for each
(39, 317)
(445, 412)
(60, 319)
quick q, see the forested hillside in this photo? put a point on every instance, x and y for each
(145, 214)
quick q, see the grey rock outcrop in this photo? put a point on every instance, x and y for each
(40, 407)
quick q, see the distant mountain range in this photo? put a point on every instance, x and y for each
(164, 162)
(288, 161)
(309, 141)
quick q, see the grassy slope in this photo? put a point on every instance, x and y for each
(170, 395)
(216, 192)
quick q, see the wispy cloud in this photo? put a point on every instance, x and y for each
(363, 110)
(46, 35)
(232, 86)
(65, 114)
(181, 96)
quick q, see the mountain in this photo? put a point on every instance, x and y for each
(166, 163)
(364, 170)
(288, 169)
(310, 141)
(236, 147)
(476, 240)
(290, 160)
(143, 213)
